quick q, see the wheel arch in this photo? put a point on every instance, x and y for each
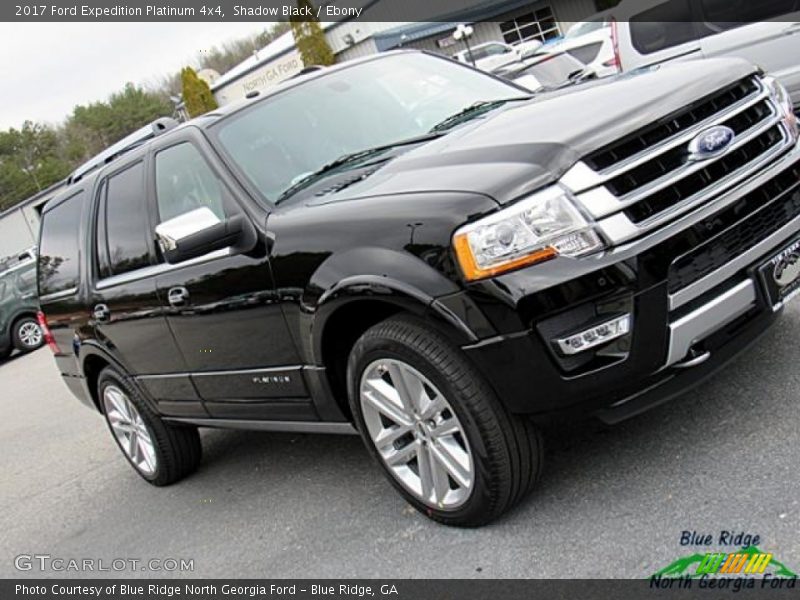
(357, 303)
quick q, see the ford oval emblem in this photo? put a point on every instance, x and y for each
(711, 142)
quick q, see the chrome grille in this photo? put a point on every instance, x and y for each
(647, 178)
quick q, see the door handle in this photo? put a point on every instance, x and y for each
(178, 296)
(101, 312)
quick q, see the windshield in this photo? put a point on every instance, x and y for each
(282, 139)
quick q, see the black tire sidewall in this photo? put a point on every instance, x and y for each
(372, 349)
(110, 376)
(18, 343)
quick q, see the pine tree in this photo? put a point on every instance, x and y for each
(197, 96)
(310, 38)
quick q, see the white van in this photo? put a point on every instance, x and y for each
(764, 32)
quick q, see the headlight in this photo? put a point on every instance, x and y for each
(784, 101)
(538, 228)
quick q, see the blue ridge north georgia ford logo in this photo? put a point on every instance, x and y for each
(711, 142)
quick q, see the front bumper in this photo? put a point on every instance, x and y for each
(692, 288)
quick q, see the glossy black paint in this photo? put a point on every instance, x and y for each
(265, 328)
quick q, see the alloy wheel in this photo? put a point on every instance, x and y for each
(129, 428)
(417, 434)
(30, 334)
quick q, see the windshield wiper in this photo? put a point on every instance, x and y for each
(473, 110)
(348, 159)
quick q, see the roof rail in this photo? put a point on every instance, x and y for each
(137, 138)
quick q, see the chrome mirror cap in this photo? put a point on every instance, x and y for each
(171, 232)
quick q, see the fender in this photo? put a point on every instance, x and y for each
(386, 275)
(90, 348)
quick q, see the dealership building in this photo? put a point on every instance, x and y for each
(510, 21)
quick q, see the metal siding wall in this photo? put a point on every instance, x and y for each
(15, 234)
(365, 48)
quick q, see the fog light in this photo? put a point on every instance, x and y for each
(595, 336)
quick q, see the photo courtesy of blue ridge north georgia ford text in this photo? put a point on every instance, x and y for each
(379, 299)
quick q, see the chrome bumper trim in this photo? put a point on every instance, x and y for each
(705, 320)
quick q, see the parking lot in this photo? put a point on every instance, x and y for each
(612, 503)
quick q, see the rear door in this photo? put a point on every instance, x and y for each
(766, 33)
(222, 308)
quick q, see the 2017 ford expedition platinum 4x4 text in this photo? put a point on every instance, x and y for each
(409, 248)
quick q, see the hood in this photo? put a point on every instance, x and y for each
(522, 147)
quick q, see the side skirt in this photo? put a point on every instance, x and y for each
(284, 426)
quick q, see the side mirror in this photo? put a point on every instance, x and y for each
(196, 233)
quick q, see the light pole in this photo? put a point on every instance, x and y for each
(464, 32)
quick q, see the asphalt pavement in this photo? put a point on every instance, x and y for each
(613, 501)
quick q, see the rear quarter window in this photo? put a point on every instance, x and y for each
(59, 254)
(664, 26)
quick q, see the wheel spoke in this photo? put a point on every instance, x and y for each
(425, 467)
(133, 446)
(408, 387)
(382, 397)
(433, 407)
(445, 428)
(389, 435)
(455, 462)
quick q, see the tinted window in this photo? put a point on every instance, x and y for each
(185, 182)
(663, 26)
(725, 14)
(126, 221)
(586, 54)
(58, 246)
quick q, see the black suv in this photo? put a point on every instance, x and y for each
(412, 249)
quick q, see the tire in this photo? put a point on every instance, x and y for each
(162, 453)
(26, 334)
(503, 451)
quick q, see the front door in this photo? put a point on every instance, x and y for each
(222, 308)
(128, 317)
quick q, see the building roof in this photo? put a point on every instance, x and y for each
(37, 197)
(479, 11)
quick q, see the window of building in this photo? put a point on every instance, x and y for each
(539, 25)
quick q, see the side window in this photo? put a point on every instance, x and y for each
(58, 246)
(126, 222)
(663, 26)
(26, 280)
(727, 14)
(185, 182)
